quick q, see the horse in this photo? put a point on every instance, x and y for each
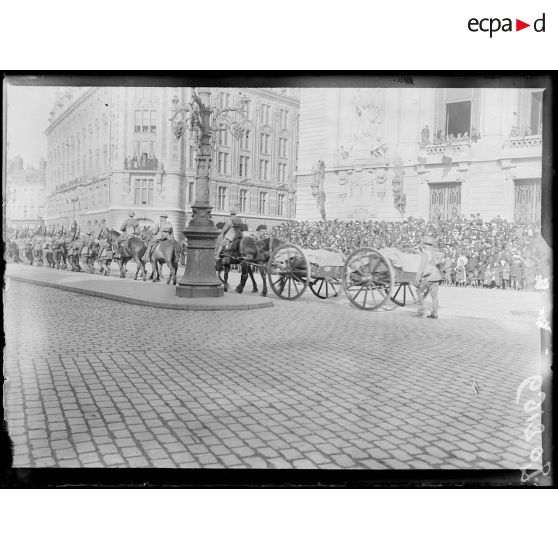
(224, 261)
(132, 248)
(252, 252)
(166, 251)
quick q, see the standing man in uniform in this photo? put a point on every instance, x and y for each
(429, 276)
(163, 231)
(232, 232)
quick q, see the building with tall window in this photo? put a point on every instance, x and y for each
(112, 150)
(26, 195)
(387, 154)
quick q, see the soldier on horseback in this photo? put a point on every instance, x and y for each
(129, 228)
(232, 232)
(163, 231)
(103, 230)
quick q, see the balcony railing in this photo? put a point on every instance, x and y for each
(440, 148)
(523, 141)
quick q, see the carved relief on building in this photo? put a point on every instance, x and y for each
(357, 193)
(364, 129)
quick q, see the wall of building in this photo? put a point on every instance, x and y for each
(26, 195)
(361, 134)
(94, 135)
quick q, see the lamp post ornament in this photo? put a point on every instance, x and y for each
(200, 278)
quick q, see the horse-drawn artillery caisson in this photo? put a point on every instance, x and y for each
(371, 279)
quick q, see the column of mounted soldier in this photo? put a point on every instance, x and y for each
(68, 248)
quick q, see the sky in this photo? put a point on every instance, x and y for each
(27, 118)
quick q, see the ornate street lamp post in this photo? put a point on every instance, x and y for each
(200, 278)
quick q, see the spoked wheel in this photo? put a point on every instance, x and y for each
(323, 288)
(288, 272)
(404, 294)
(368, 279)
(388, 305)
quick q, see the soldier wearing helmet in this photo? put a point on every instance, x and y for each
(129, 228)
(130, 225)
(232, 232)
(163, 231)
(429, 276)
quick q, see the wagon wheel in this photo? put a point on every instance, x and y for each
(404, 294)
(327, 288)
(389, 304)
(288, 271)
(324, 288)
(368, 279)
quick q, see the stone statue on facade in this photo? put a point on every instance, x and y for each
(399, 197)
(317, 187)
(425, 135)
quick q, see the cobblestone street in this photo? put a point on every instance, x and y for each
(305, 384)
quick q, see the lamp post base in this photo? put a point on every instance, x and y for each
(199, 291)
(200, 278)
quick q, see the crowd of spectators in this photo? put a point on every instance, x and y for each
(477, 252)
(141, 163)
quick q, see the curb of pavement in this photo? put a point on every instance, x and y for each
(195, 304)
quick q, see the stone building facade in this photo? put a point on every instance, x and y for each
(26, 195)
(387, 154)
(112, 150)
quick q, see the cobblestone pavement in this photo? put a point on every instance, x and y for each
(305, 384)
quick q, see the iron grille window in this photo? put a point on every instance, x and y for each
(527, 201)
(445, 201)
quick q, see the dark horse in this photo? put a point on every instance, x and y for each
(166, 251)
(132, 248)
(252, 252)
